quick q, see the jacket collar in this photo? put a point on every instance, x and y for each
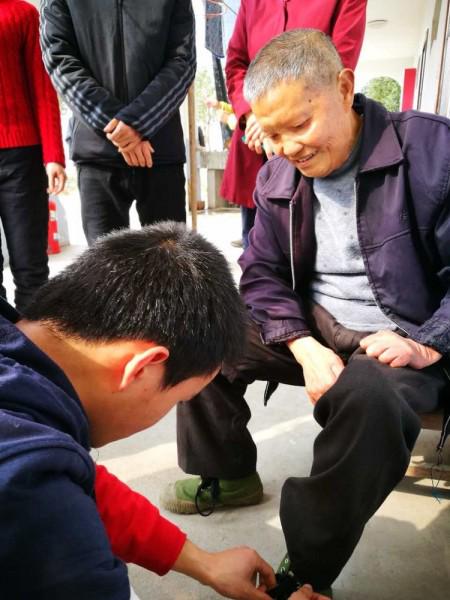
(380, 149)
(380, 146)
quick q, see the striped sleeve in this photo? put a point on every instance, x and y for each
(94, 104)
(158, 102)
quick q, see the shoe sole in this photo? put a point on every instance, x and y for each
(187, 507)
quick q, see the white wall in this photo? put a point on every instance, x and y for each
(370, 69)
(390, 49)
(433, 57)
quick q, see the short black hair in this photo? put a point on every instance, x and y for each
(163, 284)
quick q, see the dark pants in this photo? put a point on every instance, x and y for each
(369, 426)
(248, 220)
(24, 216)
(108, 193)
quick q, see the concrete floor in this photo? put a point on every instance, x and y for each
(405, 550)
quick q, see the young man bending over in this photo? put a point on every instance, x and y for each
(139, 322)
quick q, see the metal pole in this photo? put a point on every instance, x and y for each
(193, 184)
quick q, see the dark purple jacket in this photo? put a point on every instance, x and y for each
(403, 222)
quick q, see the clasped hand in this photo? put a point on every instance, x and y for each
(136, 152)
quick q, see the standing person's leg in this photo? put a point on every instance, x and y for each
(369, 429)
(213, 439)
(24, 214)
(2, 287)
(106, 197)
(248, 220)
(3, 181)
(160, 194)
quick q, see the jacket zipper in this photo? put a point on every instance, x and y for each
(365, 261)
(119, 5)
(291, 240)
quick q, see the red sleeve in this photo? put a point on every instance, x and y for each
(136, 530)
(348, 30)
(43, 95)
(237, 64)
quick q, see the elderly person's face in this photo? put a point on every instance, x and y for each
(314, 128)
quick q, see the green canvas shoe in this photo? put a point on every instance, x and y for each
(203, 494)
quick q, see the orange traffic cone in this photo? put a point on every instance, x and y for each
(53, 235)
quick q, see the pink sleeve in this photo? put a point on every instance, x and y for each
(349, 24)
(136, 530)
(237, 64)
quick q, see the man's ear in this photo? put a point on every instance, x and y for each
(134, 367)
(346, 83)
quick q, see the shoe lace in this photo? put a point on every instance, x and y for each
(211, 484)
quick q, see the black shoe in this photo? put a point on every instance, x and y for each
(288, 583)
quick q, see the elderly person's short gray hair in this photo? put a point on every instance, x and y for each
(300, 54)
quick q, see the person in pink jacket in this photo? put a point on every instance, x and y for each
(258, 21)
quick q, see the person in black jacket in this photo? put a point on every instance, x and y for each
(124, 67)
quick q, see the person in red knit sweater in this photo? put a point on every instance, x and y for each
(30, 138)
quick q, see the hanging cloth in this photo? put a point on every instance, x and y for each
(214, 10)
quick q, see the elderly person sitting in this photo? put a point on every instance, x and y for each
(347, 282)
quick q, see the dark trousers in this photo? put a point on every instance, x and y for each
(24, 216)
(248, 220)
(108, 193)
(370, 424)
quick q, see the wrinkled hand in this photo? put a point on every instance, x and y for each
(306, 593)
(122, 135)
(254, 136)
(321, 366)
(56, 176)
(396, 351)
(139, 156)
(232, 573)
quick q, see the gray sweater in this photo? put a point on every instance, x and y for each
(340, 282)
